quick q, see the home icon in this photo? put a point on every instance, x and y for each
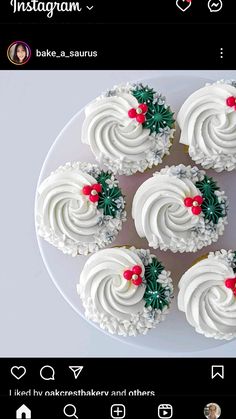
(23, 412)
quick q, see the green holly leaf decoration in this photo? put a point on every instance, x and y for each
(143, 94)
(158, 117)
(109, 195)
(234, 261)
(211, 207)
(207, 186)
(156, 295)
(153, 270)
(103, 177)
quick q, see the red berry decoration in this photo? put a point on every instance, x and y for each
(139, 113)
(94, 198)
(137, 269)
(134, 275)
(196, 210)
(143, 107)
(231, 283)
(194, 204)
(97, 187)
(92, 191)
(140, 118)
(231, 101)
(128, 275)
(132, 113)
(198, 199)
(137, 281)
(188, 202)
(87, 190)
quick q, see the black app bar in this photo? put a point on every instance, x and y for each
(115, 47)
(122, 11)
(114, 387)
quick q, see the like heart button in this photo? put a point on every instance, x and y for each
(183, 5)
(18, 372)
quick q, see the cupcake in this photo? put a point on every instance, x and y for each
(207, 295)
(79, 208)
(207, 121)
(126, 291)
(129, 128)
(179, 208)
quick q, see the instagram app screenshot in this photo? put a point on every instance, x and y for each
(118, 203)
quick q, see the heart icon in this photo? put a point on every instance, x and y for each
(183, 5)
(18, 372)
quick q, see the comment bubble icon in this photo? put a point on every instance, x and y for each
(47, 372)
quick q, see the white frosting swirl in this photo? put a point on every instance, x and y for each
(209, 306)
(208, 126)
(109, 299)
(160, 215)
(65, 217)
(116, 140)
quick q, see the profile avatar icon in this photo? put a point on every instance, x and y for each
(19, 53)
(212, 411)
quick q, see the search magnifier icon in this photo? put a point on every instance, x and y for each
(70, 411)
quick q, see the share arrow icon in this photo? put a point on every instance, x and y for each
(76, 370)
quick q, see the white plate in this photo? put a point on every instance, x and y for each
(174, 334)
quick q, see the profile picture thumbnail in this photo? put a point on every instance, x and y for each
(19, 53)
(212, 411)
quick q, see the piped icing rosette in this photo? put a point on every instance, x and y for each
(129, 128)
(179, 208)
(79, 208)
(208, 125)
(207, 295)
(126, 291)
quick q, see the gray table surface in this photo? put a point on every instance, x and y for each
(35, 319)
